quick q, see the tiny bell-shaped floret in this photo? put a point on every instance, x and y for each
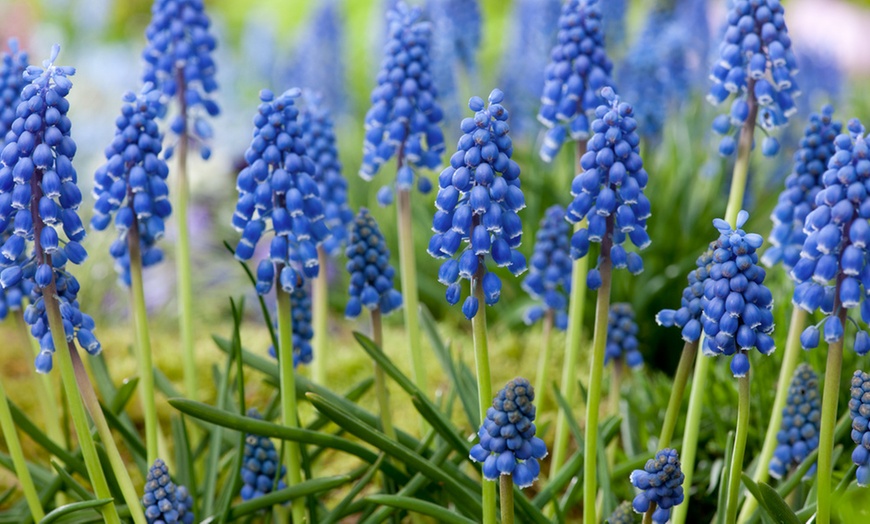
(260, 465)
(164, 501)
(799, 433)
(859, 411)
(303, 332)
(622, 336)
(371, 275)
(622, 514)
(660, 482)
(13, 62)
(688, 316)
(549, 277)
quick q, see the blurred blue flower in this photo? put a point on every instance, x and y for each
(549, 278)
(622, 336)
(799, 433)
(821, 77)
(178, 57)
(661, 482)
(622, 514)
(317, 62)
(303, 332)
(456, 34)
(260, 465)
(609, 191)
(478, 198)
(508, 445)
(13, 62)
(164, 501)
(579, 68)
(833, 262)
(318, 134)
(371, 275)
(688, 317)
(131, 185)
(613, 16)
(798, 198)
(39, 196)
(403, 120)
(755, 54)
(278, 186)
(859, 411)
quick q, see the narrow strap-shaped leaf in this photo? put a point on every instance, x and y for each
(569, 417)
(568, 471)
(267, 318)
(123, 395)
(353, 394)
(212, 467)
(75, 507)
(357, 488)
(532, 512)
(131, 438)
(41, 475)
(608, 501)
(303, 489)
(71, 483)
(184, 463)
(429, 509)
(23, 422)
(6, 494)
(779, 510)
(724, 480)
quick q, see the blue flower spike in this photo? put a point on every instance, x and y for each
(278, 188)
(303, 332)
(609, 191)
(178, 60)
(737, 307)
(755, 58)
(478, 199)
(549, 277)
(832, 268)
(164, 501)
(13, 62)
(39, 197)
(404, 116)
(261, 464)
(371, 275)
(622, 336)
(660, 482)
(801, 416)
(859, 411)
(508, 445)
(578, 70)
(798, 198)
(623, 514)
(688, 316)
(131, 185)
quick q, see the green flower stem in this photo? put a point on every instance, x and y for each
(647, 517)
(789, 363)
(542, 382)
(617, 372)
(18, 461)
(381, 391)
(739, 449)
(741, 166)
(506, 491)
(681, 378)
(830, 396)
(690, 435)
(287, 380)
(320, 319)
(484, 382)
(143, 340)
(596, 370)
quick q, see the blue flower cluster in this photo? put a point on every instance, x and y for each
(261, 464)
(12, 297)
(278, 185)
(456, 30)
(835, 249)
(609, 191)
(132, 183)
(798, 198)
(404, 116)
(508, 445)
(318, 134)
(755, 55)
(549, 278)
(164, 501)
(859, 411)
(39, 196)
(303, 332)
(479, 207)
(688, 317)
(371, 275)
(622, 336)
(661, 482)
(12, 65)
(178, 58)
(321, 41)
(579, 68)
(801, 416)
(622, 514)
(737, 307)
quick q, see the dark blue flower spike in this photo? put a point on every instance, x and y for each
(371, 275)
(261, 464)
(164, 501)
(622, 336)
(801, 416)
(660, 482)
(859, 410)
(303, 332)
(549, 278)
(688, 316)
(13, 62)
(623, 514)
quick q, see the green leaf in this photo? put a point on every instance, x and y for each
(435, 511)
(776, 506)
(5, 495)
(303, 489)
(26, 425)
(353, 394)
(724, 481)
(123, 395)
(267, 318)
(337, 512)
(72, 483)
(212, 467)
(184, 463)
(569, 417)
(567, 472)
(75, 507)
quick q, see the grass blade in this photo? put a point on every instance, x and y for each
(75, 507)
(429, 509)
(304, 489)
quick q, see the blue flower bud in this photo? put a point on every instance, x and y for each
(660, 482)
(163, 500)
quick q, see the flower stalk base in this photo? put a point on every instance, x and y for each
(484, 385)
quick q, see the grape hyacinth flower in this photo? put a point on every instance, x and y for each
(12, 296)
(859, 411)
(321, 41)
(178, 61)
(371, 275)
(261, 464)
(578, 70)
(131, 185)
(737, 307)
(278, 186)
(798, 198)
(622, 514)
(404, 117)
(164, 501)
(300, 311)
(661, 483)
(478, 199)
(757, 65)
(13, 62)
(622, 336)
(36, 170)
(549, 278)
(455, 42)
(609, 191)
(508, 445)
(799, 435)
(318, 134)
(688, 316)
